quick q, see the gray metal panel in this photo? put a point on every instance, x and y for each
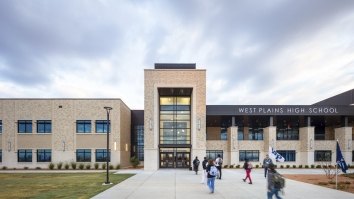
(174, 66)
(346, 98)
(279, 110)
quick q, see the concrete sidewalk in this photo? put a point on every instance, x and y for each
(184, 184)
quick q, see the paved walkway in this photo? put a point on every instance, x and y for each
(184, 184)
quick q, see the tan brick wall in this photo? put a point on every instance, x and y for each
(63, 140)
(155, 79)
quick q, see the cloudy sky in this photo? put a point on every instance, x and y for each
(255, 52)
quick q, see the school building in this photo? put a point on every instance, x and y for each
(175, 126)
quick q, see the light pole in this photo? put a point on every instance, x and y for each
(108, 109)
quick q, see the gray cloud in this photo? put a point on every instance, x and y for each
(238, 42)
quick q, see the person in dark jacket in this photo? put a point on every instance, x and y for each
(266, 162)
(196, 163)
(272, 189)
(211, 178)
(204, 174)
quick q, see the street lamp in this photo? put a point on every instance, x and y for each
(108, 109)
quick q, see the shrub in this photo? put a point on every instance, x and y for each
(322, 183)
(66, 166)
(307, 166)
(312, 166)
(4, 167)
(135, 161)
(103, 166)
(88, 166)
(38, 168)
(257, 166)
(300, 166)
(73, 165)
(96, 165)
(332, 182)
(317, 166)
(281, 166)
(231, 166)
(25, 168)
(81, 166)
(59, 165)
(111, 167)
(294, 166)
(226, 166)
(118, 166)
(238, 166)
(287, 166)
(51, 166)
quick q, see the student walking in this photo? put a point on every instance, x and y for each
(248, 167)
(266, 162)
(196, 165)
(275, 182)
(212, 172)
(218, 164)
(204, 174)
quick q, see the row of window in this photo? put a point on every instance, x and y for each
(45, 126)
(45, 155)
(289, 155)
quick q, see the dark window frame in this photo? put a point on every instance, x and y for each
(288, 155)
(27, 153)
(101, 155)
(27, 126)
(323, 155)
(101, 124)
(213, 154)
(44, 155)
(0, 155)
(255, 134)
(0, 126)
(47, 126)
(85, 124)
(251, 155)
(83, 155)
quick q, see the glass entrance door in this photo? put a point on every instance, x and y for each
(182, 160)
(167, 160)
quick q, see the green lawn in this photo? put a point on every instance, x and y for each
(55, 185)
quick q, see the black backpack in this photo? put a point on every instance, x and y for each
(278, 180)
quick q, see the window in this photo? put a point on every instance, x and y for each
(138, 142)
(44, 126)
(101, 126)
(24, 155)
(223, 133)
(352, 156)
(323, 156)
(0, 155)
(175, 120)
(320, 132)
(44, 155)
(0, 126)
(251, 155)
(255, 134)
(289, 156)
(101, 155)
(288, 134)
(240, 135)
(213, 154)
(24, 126)
(83, 126)
(83, 155)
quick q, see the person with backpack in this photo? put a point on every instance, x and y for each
(276, 182)
(204, 174)
(196, 165)
(266, 162)
(218, 165)
(212, 172)
(248, 167)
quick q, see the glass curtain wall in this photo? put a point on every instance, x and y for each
(175, 120)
